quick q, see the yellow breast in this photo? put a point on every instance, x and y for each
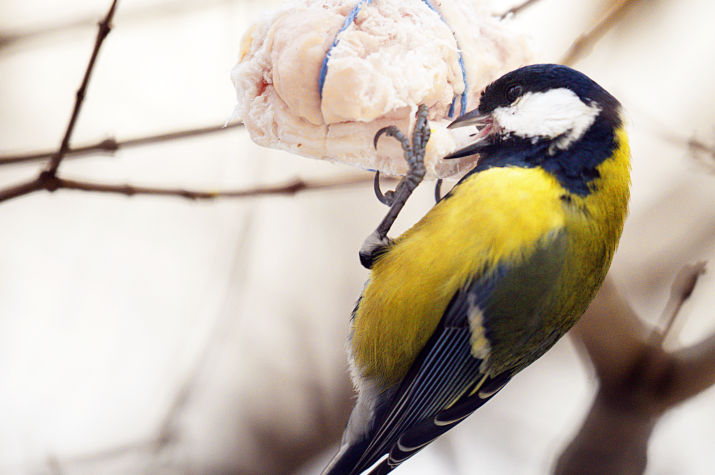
(495, 216)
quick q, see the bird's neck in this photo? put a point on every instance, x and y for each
(575, 167)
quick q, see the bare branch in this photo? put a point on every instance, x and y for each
(694, 371)
(22, 189)
(517, 9)
(698, 149)
(111, 145)
(104, 29)
(681, 290)
(638, 381)
(610, 331)
(702, 152)
(143, 11)
(584, 43)
(696, 145)
(290, 188)
(49, 182)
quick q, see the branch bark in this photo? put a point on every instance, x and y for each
(49, 182)
(639, 380)
(585, 43)
(111, 145)
(104, 29)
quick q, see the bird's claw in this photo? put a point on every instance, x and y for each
(375, 244)
(414, 155)
(388, 197)
(391, 131)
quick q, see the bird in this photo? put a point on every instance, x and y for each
(495, 273)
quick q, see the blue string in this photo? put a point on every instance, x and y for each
(463, 100)
(348, 21)
(351, 18)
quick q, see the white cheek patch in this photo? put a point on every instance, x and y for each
(551, 114)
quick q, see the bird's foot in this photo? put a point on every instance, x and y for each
(375, 244)
(414, 155)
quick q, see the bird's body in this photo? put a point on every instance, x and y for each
(496, 272)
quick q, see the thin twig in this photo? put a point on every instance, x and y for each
(702, 152)
(49, 182)
(143, 11)
(698, 149)
(696, 145)
(104, 29)
(584, 43)
(111, 145)
(681, 290)
(289, 188)
(513, 11)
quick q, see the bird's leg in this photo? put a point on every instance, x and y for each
(376, 242)
(414, 155)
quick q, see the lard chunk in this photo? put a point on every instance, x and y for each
(319, 78)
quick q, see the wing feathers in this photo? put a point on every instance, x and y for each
(446, 384)
(438, 378)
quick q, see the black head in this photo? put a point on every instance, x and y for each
(542, 78)
(544, 115)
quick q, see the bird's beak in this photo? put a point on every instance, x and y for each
(485, 126)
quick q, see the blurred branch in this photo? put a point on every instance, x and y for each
(639, 380)
(48, 179)
(49, 182)
(696, 370)
(698, 149)
(610, 331)
(702, 151)
(104, 28)
(22, 189)
(697, 146)
(111, 144)
(517, 9)
(11, 38)
(280, 446)
(143, 11)
(680, 291)
(584, 43)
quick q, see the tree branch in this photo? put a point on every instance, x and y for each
(700, 150)
(49, 182)
(680, 291)
(517, 9)
(585, 43)
(639, 380)
(610, 332)
(694, 370)
(290, 188)
(112, 145)
(21, 190)
(104, 29)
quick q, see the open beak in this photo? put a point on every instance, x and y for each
(484, 124)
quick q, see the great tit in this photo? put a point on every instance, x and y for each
(496, 272)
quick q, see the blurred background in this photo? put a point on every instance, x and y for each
(164, 335)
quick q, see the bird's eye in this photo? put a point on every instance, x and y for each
(514, 92)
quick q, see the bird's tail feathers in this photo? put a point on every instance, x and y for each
(346, 459)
